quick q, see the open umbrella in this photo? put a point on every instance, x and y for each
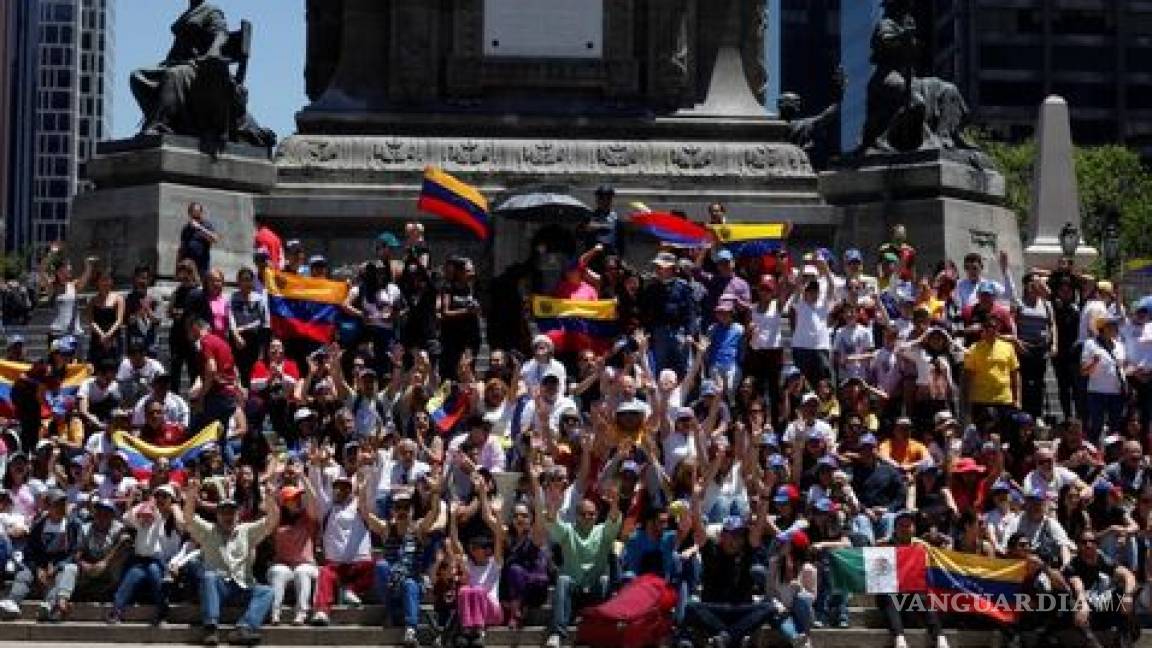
(543, 204)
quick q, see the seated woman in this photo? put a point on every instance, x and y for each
(526, 565)
(479, 597)
(294, 557)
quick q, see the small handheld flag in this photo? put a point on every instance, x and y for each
(455, 201)
(304, 307)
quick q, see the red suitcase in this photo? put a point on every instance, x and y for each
(638, 616)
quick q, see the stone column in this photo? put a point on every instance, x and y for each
(1055, 196)
(360, 80)
(730, 93)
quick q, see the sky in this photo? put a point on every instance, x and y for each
(275, 74)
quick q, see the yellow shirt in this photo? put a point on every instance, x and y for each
(990, 366)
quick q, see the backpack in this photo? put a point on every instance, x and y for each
(639, 615)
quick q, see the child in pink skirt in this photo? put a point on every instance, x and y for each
(479, 596)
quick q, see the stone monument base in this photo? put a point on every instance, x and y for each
(143, 188)
(950, 204)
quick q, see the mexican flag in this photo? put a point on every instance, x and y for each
(880, 570)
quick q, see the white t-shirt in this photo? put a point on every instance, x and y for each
(677, 447)
(1061, 477)
(346, 538)
(533, 372)
(175, 410)
(1104, 378)
(368, 414)
(128, 373)
(811, 330)
(107, 489)
(798, 431)
(767, 325)
(1138, 345)
(378, 312)
(94, 393)
(1093, 309)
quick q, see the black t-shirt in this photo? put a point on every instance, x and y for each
(1098, 577)
(726, 578)
(195, 245)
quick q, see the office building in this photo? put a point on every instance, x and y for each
(1007, 55)
(57, 96)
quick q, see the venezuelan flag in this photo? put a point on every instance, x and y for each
(304, 307)
(971, 583)
(574, 324)
(141, 454)
(671, 228)
(1139, 267)
(447, 406)
(455, 201)
(74, 375)
(751, 239)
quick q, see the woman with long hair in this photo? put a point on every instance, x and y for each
(379, 306)
(1036, 341)
(294, 557)
(525, 580)
(792, 582)
(1105, 364)
(63, 290)
(459, 314)
(105, 316)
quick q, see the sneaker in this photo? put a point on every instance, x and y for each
(244, 636)
(350, 599)
(553, 641)
(900, 642)
(720, 641)
(301, 618)
(9, 609)
(410, 640)
(684, 643)
(320, 619)
(211, 636)
(114, 617)
(817, 624)
(842, 623)
(274, 618)
(942, 642)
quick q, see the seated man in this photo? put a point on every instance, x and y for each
(49, 563)
(348, 568)
(175, 407)
(584, 550)
(99, 396)
(103, 549)
(881, 490)
(903, 533)
(136, 373)
(726, 611)
(228, 552)
(1103, 591)
(159, 431)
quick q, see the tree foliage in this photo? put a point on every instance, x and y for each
(1108, 177)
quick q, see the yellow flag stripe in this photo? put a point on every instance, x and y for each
(749, 232)
(603, 309)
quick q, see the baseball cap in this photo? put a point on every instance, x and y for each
(630, 466)
(800, 540)
(1001, 486)
(1111, 439)
(790, 371)
(167, 489)
(317, 259)
(66, 344)
(709, 388)
(664, 259)
(634, 406)
(342, 478)
(1023, 418)
(1036, 494)
(290, 492)
(106, 504)
(809, 397)
(1145, 304)
(261, 253)
(827, 461)
(15, 339)
(54, 496)
(786, 493)
(905, 513)
(868, 439)
(303, 413)
(777, 461)
(389, 239)
(889, 257)
(944, 417)
(685, 413)
(966, 465)
(227, 503)
(852, 254)
(768, 439)
(986, 288)
(724, 255)
(724, 306)
(904, 421)
(927, 465)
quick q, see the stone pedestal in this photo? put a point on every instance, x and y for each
(950, 206)
(143, 188)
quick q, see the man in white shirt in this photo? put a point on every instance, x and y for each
(175, 408)
(99, 395)
(807, 424)
(1138, 343)
(550, 401)
(136, 373)
(541, 365)
(1047, 477)
(401, 471)
(347, 543)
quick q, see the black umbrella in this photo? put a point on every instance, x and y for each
(543, 205)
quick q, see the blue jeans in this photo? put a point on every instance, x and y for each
(566, 590)
(402, 598)
(798, 621)
(878, 530)
(149, 571)
(215, 590)
(830, 606)
(1105, 409)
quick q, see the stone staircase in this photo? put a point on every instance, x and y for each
(362, 627)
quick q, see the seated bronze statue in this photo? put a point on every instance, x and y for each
(193, 91)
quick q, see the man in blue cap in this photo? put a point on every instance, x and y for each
(723, 285)
(727, 613)
(881, 489)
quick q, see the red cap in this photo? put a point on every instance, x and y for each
(800, 540)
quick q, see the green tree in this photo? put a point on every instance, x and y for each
(1107, 177)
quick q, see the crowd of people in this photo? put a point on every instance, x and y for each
(755, 413)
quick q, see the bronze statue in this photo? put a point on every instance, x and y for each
(818, 134)
(905, 112)
(192, 92)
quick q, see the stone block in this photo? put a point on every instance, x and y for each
(128, 226)
(169, 158)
